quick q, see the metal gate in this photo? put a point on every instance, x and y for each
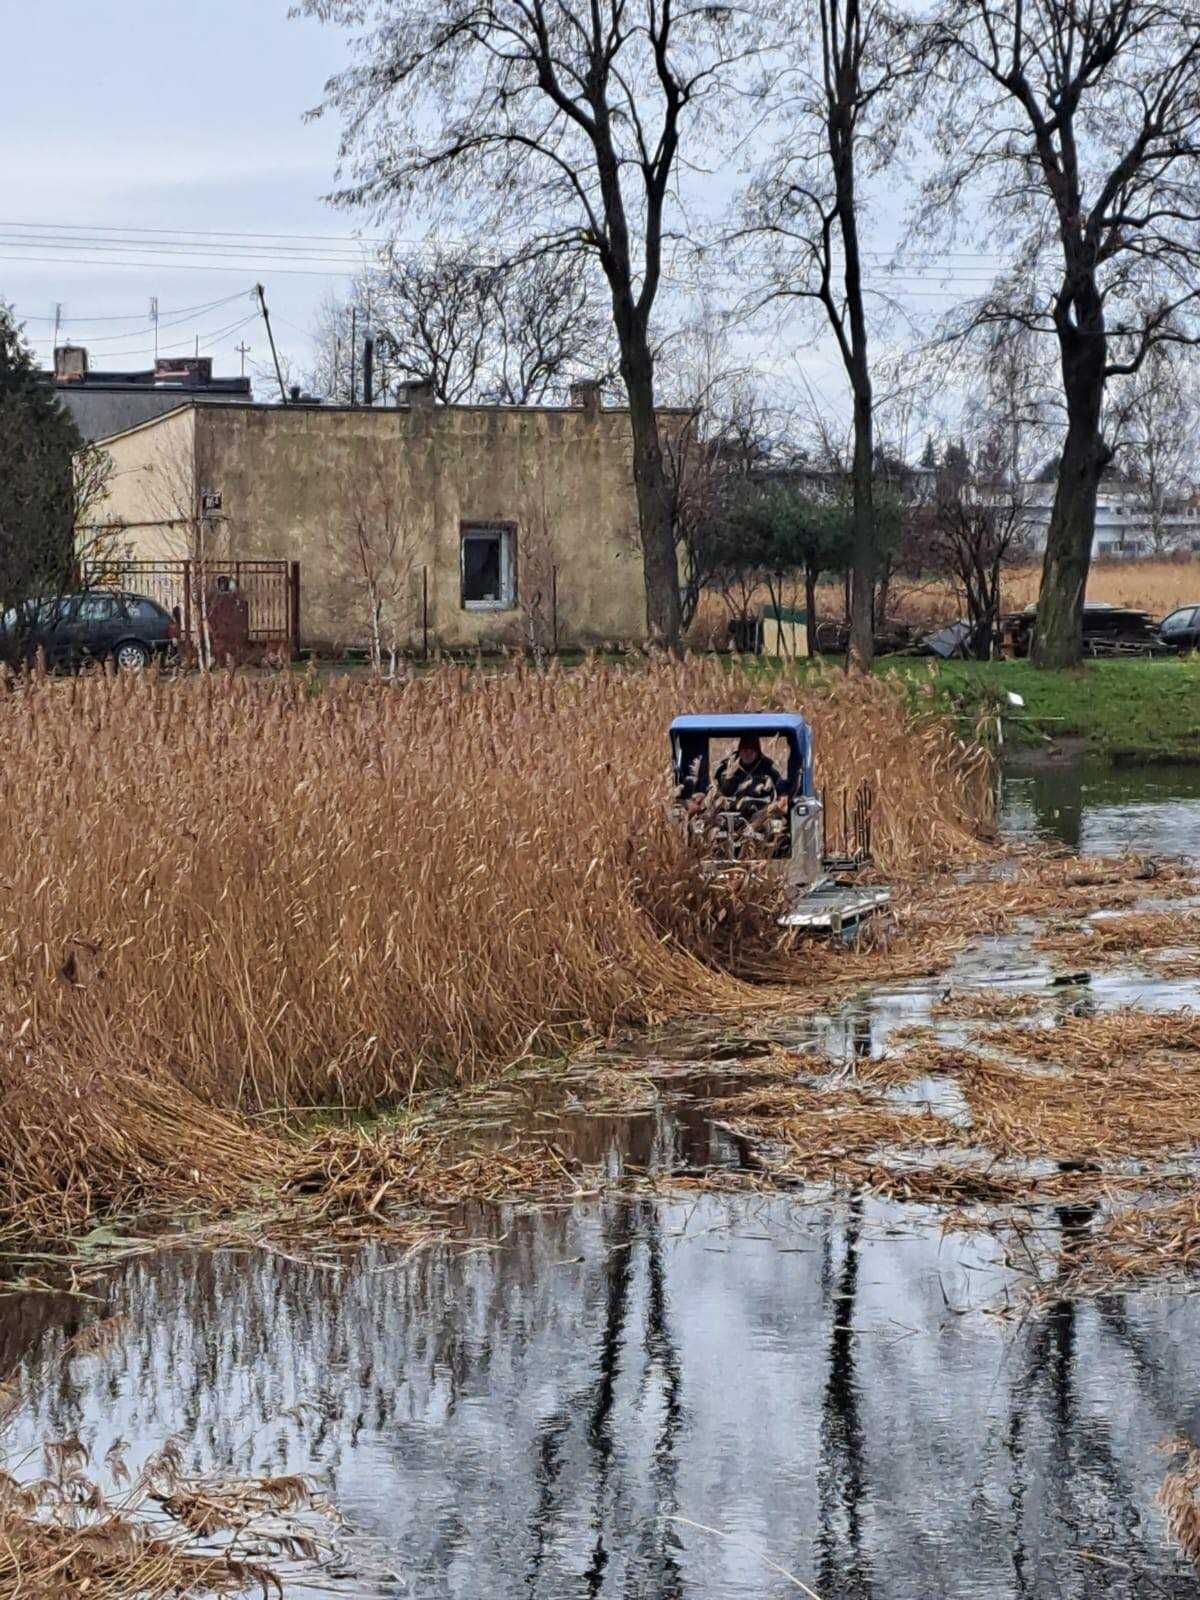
(270, 588)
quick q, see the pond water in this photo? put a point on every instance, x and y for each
(720, 1396)
(1098, 809)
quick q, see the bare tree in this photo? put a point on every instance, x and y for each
(537, 579)
(737, 429)
(189, 531)
(842, 116)
(378, 540)
(977, 529)
(1153, 418)
(1079, 120)
(515, 334)
(562, 126)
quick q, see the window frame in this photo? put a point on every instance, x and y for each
(116, 610)
(507, 533)
(158, 613)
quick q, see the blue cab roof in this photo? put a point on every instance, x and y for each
(724, 724)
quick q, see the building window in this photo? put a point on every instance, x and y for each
(489, 568)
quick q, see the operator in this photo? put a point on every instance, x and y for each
(747, 781)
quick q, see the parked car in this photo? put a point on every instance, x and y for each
(130, 630)
(1181, 629)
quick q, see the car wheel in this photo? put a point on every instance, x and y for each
(131, 656)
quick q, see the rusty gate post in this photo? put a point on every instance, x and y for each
(294, 607)
(187, 603)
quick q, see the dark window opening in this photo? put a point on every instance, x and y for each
(487, 567)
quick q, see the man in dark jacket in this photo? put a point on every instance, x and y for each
(747, 780)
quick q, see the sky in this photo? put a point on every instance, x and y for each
(151, 147)
(167, 115)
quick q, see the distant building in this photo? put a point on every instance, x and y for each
(104, 403)
(1124, 526)
(470, 526)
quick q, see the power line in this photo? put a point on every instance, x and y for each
(182, 312)
(207, 233)
(101, 229)
(210, 339)
(168, 266)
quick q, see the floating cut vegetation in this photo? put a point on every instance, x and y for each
(226, 896)
(1085, 1107)
(1112, 937)
(1179, 1497)
(68, 1533)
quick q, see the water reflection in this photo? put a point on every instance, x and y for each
(532, 1418)
(1090, 806)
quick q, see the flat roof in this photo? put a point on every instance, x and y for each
(321, 408)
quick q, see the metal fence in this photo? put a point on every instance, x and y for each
(270, 588)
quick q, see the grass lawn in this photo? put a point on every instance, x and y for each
(1127, 710)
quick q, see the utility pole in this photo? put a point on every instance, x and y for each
(57, 321)
(262, 302)
(353, 354)
(243, 350)
(154, 320)
(368, 369)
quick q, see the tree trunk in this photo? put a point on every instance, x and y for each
(810, 605)
(885, 589)
(1058, 629)
(656, 523)
(861, 654)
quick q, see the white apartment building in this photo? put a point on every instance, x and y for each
(1123, 522)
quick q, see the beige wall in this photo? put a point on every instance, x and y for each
(317, 485)
(146, 512)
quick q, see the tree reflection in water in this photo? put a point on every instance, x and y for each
(535, 1418)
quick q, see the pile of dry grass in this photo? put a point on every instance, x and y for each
(1179, 1497)
(225, 895)
(425, 1169)
(161, 1533)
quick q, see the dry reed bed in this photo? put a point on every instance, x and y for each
(1153, 586)
(223, 896)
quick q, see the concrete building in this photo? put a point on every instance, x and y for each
(467, 526)
(104, 403)
(1124, 527)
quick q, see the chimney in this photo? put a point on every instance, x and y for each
(418, 394)
(194, 372)
(70, 363)
(585, 394)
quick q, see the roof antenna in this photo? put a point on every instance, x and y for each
(262, 301)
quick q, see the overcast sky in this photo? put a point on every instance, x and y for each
(173, 115)
(164, 115)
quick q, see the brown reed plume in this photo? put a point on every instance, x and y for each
(225, 895)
